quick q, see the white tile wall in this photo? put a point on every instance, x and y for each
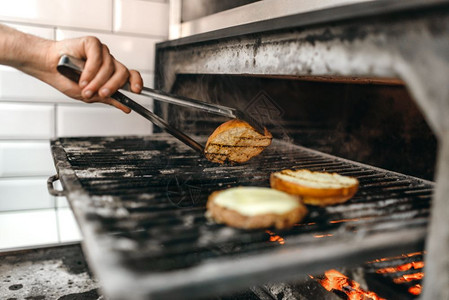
(99, 121)
(43, 32)
(21, 121)
(135, 52)
(132, 16)
(68, 228)
(62, 202)
(32, 112)
(72, 13)
(26, 228)
(18, 86)
(24, 193)
(25, 158)
(148, 80)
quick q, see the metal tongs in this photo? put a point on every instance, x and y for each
(72, 67)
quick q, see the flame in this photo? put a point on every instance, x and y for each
(334, 280)
(408, 266)
(318, 236)
(409, 277)
(304, 224)
(415, 290)
(417, 265)
(342, 221)
(275, 238)
(349, 220)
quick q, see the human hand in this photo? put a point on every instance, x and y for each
(101, 77)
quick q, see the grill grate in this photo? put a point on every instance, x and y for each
(400, 274)
(140, 202)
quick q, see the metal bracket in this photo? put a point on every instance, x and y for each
(51, 188)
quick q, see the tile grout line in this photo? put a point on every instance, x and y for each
(55, 121)
(88, 30)
(58, 223)
(112, 15)
(60, 105)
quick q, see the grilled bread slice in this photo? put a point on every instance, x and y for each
(315, 188)
(255, 207)
(236, 142)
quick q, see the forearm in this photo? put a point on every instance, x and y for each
(23, 51)
(38, 57)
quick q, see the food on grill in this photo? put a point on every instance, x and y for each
(236, 142)
(315, 188)
(255, 207)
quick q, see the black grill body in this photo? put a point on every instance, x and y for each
(140, 203)
(364, 81)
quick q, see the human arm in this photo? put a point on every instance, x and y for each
(38, 57)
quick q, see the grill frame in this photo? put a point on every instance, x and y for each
(222, 274)
(405, 40)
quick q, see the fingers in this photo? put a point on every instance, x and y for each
(135, 81)
(136, 84)
(102, 74)
(109, 101)
(115, 81)
(93, 53)
(118, 105)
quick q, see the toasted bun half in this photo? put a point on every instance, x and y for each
(255, 207)
(315, 188)
(236, 142)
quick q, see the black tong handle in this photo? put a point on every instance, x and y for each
(72, 67)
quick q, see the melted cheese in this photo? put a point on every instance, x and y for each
(251, 201)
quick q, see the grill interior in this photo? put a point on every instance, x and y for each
(358, 120)
(141, 200)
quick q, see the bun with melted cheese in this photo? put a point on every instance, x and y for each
(255, 207)
(315, 188)
(236, 142)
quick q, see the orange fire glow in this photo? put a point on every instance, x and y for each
(415, 290)
(322, 235)
(304, 224)
(413, 265)
(398, 257)
(275, 238)
(409, 277)
(334, 280)
(417, 265)
(343, 221)
(349, 220)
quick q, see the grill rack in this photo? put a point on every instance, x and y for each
(400, 275)
(140, 205)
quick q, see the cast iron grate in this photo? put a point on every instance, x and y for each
(140, 202)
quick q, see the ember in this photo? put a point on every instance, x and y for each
(404, 270)
(318, 236)
(415, 290)
(397, 257)
(275, 238)
(334, 280)
(169, 235)
(409, 277)
(347, 220)
(404, 267)
(305, 224)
